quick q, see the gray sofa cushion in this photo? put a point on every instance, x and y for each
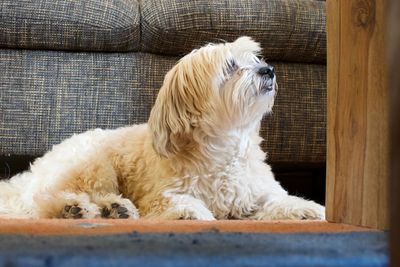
(289, 30)
(46, 96)
(89, 25)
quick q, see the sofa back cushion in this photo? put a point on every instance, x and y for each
(83, 25)
(288, 30)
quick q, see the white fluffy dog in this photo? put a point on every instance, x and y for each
(198, 157)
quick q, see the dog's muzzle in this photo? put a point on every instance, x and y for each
(267, 71)
(267, 74)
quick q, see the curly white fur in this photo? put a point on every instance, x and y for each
(197, 158)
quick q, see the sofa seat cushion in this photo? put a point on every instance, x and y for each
(85, 25)
(289, 30)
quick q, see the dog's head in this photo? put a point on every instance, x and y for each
(217, 89)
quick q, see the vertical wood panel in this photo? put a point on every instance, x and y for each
(394, 57)
(357, 152)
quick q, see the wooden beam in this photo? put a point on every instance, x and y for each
(358, 113)
(394, 64)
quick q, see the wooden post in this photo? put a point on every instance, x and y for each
(394, 64)
(358, 113)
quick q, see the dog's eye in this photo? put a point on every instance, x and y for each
(231, 66)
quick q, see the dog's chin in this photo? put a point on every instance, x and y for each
(266, 98)
(267, 87)
(267, 90)
(264, 90)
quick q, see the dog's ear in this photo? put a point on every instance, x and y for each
(244, 46)
(179, 105)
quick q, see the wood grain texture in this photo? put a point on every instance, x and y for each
(358, 113)
(394, 57)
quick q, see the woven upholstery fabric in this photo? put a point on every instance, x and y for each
(86, 25)
(46, 96)
(288, 30)
(296, 130)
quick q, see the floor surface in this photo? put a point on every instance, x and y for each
(104, 226)
(109, 243)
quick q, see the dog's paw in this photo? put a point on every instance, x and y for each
(77, 206)
(194, 214)
(118, 211)
(313, 211)
(188, 211)
(185, 214)
(79, 211)
(115, 207)
(291, 208)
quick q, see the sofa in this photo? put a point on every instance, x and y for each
(73, 65)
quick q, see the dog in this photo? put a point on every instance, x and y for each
(198, 157)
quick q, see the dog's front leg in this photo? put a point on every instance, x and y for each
(286, 207)
(184, 207)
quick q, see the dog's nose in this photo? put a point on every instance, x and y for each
(267, 71)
